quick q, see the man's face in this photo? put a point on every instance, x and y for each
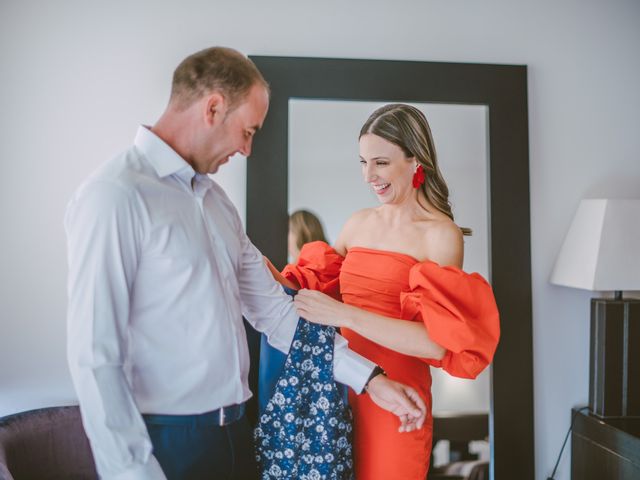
(232, 132)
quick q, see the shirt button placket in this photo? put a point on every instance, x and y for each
(222, 269)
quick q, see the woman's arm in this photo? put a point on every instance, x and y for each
(278, 276)
(404, 336)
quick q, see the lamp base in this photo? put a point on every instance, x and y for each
(614, 370)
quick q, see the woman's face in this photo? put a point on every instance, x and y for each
(386, 169)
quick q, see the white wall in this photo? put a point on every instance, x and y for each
(78, 76)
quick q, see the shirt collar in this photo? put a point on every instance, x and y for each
(164, 159)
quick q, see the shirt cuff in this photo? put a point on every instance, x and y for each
(147, 471)
(282, 335)
(349, 367)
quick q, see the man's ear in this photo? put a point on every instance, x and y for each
(215, 108)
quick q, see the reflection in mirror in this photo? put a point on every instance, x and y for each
(325, 178)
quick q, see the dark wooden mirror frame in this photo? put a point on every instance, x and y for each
(503, 88)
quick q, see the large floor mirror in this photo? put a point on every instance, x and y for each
(307, 157)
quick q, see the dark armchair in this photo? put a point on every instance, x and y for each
(45, 444)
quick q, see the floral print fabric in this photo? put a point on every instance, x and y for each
(305, 431)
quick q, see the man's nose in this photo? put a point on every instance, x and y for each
(245, 149)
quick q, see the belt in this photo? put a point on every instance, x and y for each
(220, 417)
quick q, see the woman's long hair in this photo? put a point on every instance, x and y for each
(306, 227)
(407, 127)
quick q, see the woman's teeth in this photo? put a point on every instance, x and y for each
(379, 188)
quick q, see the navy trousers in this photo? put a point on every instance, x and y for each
(193, 447)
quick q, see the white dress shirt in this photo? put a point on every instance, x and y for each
(160, 274)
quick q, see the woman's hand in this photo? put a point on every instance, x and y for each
(320, 308)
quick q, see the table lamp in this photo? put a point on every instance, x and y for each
(601, 252)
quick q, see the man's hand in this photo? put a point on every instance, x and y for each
(400, 400)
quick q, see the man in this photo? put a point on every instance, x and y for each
(160, 275)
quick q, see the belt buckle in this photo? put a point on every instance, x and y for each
(230, 414)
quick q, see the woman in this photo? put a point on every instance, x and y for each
(406, 303)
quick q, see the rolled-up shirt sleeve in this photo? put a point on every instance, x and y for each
(103, 254)
(270, 310)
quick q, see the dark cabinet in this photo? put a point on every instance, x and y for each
(605, 449)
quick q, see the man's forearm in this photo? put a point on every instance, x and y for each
(118, 436)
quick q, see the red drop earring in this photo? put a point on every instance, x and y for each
(418, 176)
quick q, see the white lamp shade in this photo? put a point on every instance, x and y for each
(602, 248)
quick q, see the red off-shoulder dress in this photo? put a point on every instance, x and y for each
(459, 313)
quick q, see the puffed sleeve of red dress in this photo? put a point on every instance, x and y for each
(459, 312)
(318, 268)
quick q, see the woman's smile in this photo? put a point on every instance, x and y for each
(381, 188)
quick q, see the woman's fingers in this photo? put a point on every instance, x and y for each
(318, 307)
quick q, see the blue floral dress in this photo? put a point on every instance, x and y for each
(305, 430)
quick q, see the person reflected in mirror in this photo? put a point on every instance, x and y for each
(394, 285)
(304, 227)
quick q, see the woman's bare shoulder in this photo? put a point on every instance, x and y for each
(444, 242)
(360, 217)
(352, 226)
